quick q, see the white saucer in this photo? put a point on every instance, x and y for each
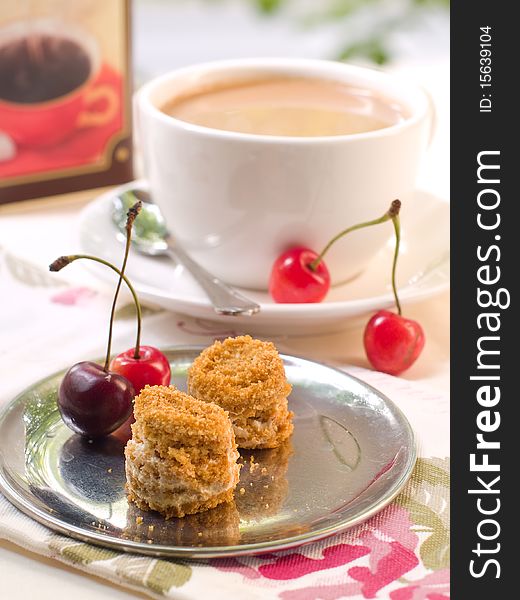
(423, 271)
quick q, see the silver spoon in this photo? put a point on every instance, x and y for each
(151, 237)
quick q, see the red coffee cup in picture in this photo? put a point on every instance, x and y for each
(48, 72)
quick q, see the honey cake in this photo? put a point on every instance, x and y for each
(246, 377)
(182, 457)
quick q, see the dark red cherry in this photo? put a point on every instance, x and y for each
(94, 402)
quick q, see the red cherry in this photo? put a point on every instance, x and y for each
(392, 343)
(300, 275)
(293, 280)
(151, 368)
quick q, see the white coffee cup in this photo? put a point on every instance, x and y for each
(235, 201)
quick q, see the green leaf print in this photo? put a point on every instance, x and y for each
(80, 553)
(430, 473)
(165, 575)
(422, 515)
(435, 551)
(151, 573)
(154, 574)
(426, 497)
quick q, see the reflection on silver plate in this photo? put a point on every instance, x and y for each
(351, 452)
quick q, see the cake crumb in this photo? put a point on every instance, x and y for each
(150, 528)
(263, 471)
(199, 534)
(109, 470)
(138, 520)
(242, 491)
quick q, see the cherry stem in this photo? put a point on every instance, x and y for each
(63, 261)
(131, 215)
(397, 228)
(389, 214)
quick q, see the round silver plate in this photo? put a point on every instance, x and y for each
(351, 452)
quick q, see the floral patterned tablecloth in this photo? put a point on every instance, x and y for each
(402, 553)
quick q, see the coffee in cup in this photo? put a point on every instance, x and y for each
(48, 85)
(287, 106)
(40, 67)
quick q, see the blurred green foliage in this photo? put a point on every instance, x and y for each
(369, 24)
(269, 6)
(341, 8)
(374, 44)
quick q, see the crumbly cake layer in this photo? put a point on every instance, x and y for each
(182, 455)
(247, 378)
(188, 507)
(239, 374)
(267, 429)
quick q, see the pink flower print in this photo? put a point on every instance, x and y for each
(435, 586)
(294, 565)
(77, 296)
(385, 540)
(389, 558)
(395, 523)
(322, 592)
(235, 566)
(388, 562)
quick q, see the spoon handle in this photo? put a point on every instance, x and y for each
(225, 299)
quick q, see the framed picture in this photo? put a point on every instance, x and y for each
(65, 114)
